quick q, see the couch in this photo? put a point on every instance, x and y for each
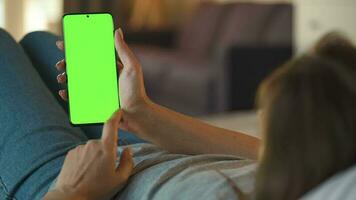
(219, 57)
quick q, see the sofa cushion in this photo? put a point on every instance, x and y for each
(279, 29)
(255, 24)
(244, 24)
(197, 35)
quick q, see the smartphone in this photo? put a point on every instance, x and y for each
(90, 56)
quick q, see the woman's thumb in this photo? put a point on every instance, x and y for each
(125, 54)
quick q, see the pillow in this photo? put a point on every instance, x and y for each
(339, 186)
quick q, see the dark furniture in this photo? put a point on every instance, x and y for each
(220, 57)
(247, 68)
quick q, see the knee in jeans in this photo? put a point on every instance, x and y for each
(37, 35)
(4, 35)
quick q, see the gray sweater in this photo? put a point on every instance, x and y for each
(159, 175)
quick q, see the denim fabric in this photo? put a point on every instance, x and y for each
(35, 133)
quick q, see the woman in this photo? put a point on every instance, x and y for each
(309, 113)
(308, 122)
(308, 135)
(36, 138)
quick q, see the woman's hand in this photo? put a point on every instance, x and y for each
(132, 90)
(90, 172)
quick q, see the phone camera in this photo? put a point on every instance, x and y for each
(87, 16)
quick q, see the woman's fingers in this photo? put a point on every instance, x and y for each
(126, 165)
(60, 45)
(63, 94)
(62, 78)
(61, 65)
(109, 136)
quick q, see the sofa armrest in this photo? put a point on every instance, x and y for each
(247, 67)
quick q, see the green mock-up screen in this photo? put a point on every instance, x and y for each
(91, 67)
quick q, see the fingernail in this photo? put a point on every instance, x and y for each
(121, 33)
(60, 76)
(130, 151)
(58, 63)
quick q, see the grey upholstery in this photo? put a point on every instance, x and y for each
(193, 77)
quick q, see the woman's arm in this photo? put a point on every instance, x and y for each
(168, 129)
(182, 134)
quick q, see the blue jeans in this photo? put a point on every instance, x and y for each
(35, 133)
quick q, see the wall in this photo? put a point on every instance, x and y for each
(23, 16)
(14, 17)
(2, 13)
(314, 18)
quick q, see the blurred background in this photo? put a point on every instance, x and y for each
(201, 57)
